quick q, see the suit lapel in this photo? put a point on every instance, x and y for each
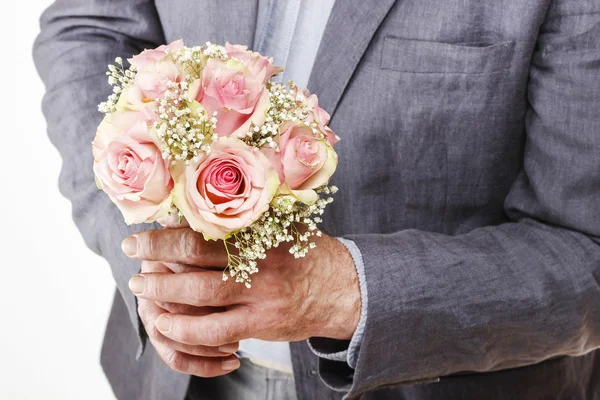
(349, 30)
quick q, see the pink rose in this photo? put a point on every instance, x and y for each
(133, 98)
(148, 57)
(238, 96)
(316, 115)
(304, 162)
(152, 80)
(231, 84)
(155, 69)
(129, 167)
(226, 190)
(254, 61)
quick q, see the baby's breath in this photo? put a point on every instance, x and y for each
(119, 78)
(191, 60)
(284, 107)
(183, 126)
(215, 51)
(287, 221)
(185, 131)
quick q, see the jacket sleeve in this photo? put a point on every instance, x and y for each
(78, 40)
(510, 295)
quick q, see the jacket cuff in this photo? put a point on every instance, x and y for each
(343, 350)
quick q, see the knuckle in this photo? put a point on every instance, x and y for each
(147, 321)
(152, 244)
(214, 335)
(280, 310)
(245, 330)
(176, 360)
(221, 290)
(159, 287)
(143, 311)
(219, 334)
(190, 244)
(184, 333)
(198, 289)
(153, 333)
(274, 290)
(150, 286)
(156, 287)
(230, 333)
(204, 368)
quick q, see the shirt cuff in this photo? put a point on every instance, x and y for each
(340, 350)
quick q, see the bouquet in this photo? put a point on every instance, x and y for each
(203, 135)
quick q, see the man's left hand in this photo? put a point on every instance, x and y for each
(290, 299)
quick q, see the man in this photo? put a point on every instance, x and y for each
(469, 204)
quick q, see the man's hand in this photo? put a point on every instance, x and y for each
(203, 361)
(290, 299)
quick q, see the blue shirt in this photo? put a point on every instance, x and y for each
(290, 31)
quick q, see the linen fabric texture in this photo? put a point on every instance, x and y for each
(469, 175)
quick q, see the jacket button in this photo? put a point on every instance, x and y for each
(313, 372)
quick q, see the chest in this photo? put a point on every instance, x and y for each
(432, 119)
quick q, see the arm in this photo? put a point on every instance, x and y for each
(77, 41)
(510, 295)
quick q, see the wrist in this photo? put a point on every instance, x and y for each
(342, 292)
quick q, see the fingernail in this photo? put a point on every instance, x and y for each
(129, 246)
(137, 283)
(230, 365)
(228, 348)
(163, 323)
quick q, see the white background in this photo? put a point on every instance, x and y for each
(55, 293)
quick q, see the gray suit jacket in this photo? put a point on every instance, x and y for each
(469, 175)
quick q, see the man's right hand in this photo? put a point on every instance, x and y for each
(201, 361)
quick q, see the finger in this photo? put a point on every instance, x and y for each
(214, 329)
(192, 288)
(195, 365)
(155, 266)
(182, 246)
(179, 268)
(199, 366)
(175, 308)
(149, 311)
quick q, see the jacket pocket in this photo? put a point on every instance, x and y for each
(419, 56)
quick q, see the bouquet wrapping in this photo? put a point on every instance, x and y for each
(203, 134)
